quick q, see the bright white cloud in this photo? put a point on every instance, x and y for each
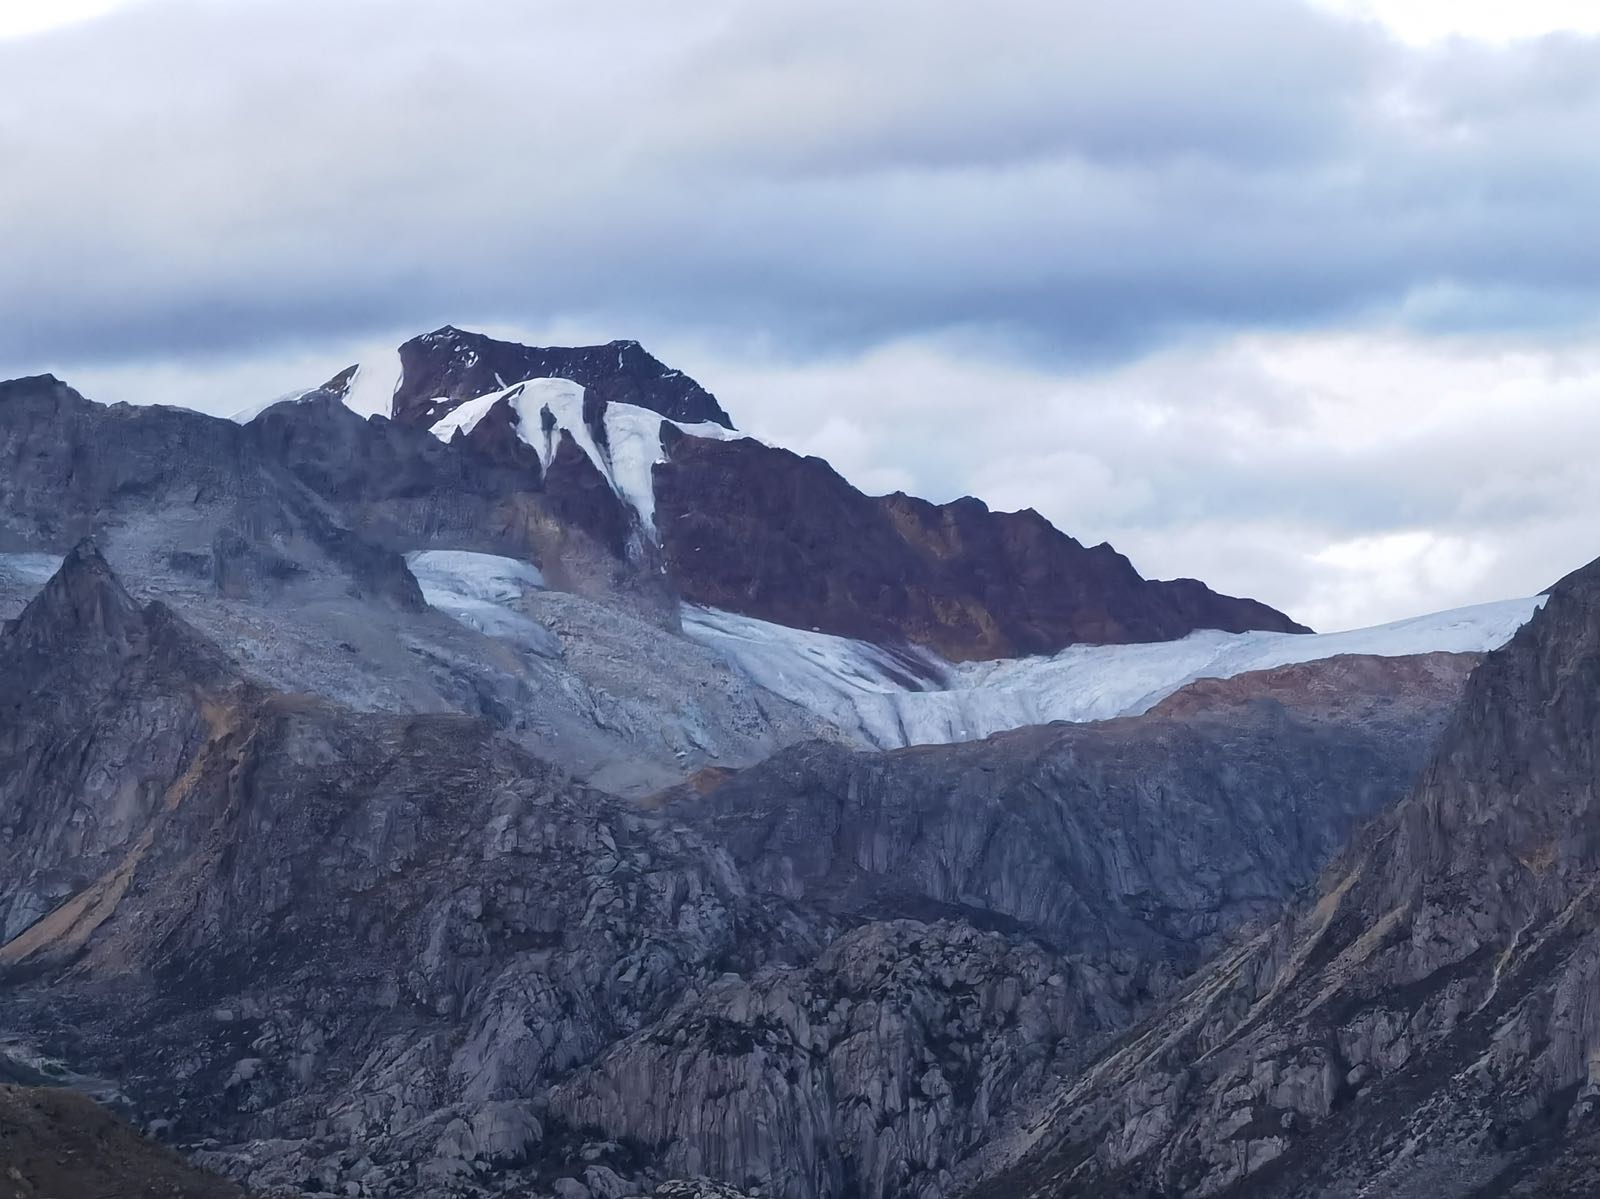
(19, 18)
(1423, 21)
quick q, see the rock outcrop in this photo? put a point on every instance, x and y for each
(1146, 835)
(442, 369)
(370, 940)
(1425, 1024)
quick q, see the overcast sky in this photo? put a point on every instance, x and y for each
(1298, 298)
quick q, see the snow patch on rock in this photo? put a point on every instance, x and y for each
(26, 569)
(245, 415)
(625, 458)
(371, 391)
(482, 591)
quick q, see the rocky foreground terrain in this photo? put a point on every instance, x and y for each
(54, 1141)
(372, 824)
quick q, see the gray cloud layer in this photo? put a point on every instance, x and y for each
(1082, 179)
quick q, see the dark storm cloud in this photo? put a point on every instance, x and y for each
(1084, 180)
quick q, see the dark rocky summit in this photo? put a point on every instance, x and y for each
(442, 369)
(1424, 1024)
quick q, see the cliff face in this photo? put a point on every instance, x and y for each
(761, 531)
(1425, 1026)
(1026, 900)
(1147, 835)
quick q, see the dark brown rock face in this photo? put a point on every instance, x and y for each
(767, 533)
(1425, 1024)
(442, 369)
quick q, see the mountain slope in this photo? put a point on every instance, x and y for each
(1426, 1026)
(402, 953)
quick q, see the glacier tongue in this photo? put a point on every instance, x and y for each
(864, 691)
(887, 698)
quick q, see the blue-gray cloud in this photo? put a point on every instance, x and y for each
(1084, 180)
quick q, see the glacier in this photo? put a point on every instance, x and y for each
(869, 694)
(890, 697)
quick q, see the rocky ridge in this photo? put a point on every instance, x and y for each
(1422, 1024)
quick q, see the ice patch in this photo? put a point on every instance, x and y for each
(481, 591)
(465, 418)
(487, 577)
(371, 392)
(633, 439)
(865, 692)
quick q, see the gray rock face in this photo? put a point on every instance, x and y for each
(873, 1071)
(1425, 1024)
(279, 541)
(321, 928)
(1146, 836)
